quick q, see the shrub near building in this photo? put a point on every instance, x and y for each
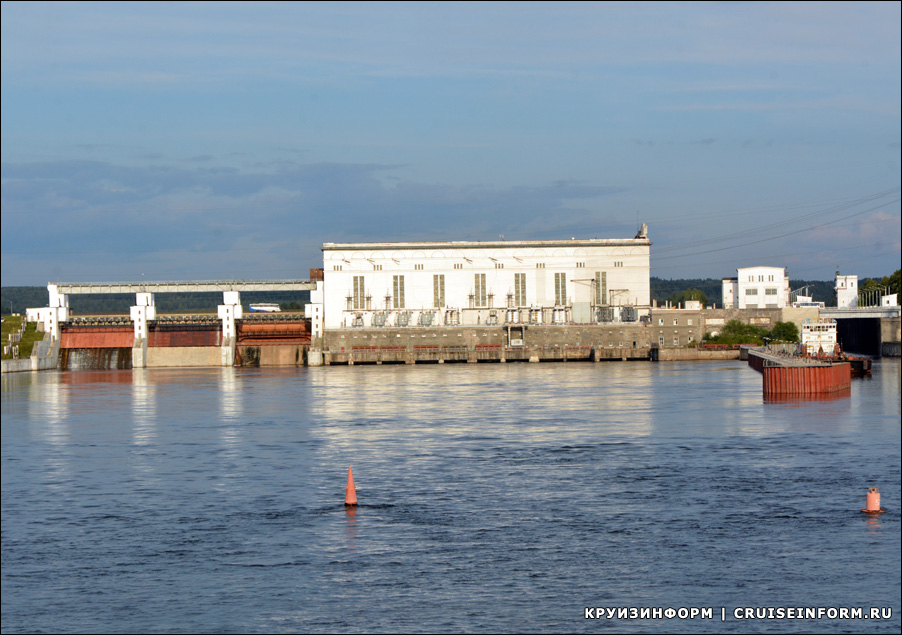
(736, 332)
(784, 332)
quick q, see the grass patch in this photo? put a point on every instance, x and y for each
(12, 324)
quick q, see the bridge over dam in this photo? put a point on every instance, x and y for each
(145, 339)
(869, 330)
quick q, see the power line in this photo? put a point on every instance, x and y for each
(821, 212)
(756, 242)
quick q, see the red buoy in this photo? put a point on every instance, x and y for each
(873, 502)
(351, 491)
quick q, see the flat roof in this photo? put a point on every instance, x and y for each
(495, 244)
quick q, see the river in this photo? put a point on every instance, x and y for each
(493, 498)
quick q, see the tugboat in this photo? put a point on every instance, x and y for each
(819, 341)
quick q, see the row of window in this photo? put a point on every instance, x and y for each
(754, 291)
(481, 294)
(676, 321)
(498, 265)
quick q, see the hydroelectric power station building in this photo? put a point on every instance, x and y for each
(453, 301)
(485, 283)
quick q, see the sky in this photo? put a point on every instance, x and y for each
(219, 141)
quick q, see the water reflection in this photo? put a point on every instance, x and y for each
(872, 524)
(48, 407)
(351, 526)
(230, 405)
(470, 400)
(144, 407)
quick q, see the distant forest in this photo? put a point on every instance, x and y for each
(17, 299)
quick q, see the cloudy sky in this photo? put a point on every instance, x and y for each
(208, 141)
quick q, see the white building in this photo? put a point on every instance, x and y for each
(484, 283)
(846, 288)
(757, 288)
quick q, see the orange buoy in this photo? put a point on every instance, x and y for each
(351, 491)
(873, 502)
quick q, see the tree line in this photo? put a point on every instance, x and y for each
(17, 299)
(676, 291)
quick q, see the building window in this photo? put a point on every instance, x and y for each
(336, 267)
(499, 265)
(580, 265)
(398, 289)
(377, 267)
(519, 289)
(458, 265)
(676, 322)
(751, 291)
(418, 267)
(359, 296)
(479, 285)
(438, 291)
(601, 288)
(560, 289)
(770, 292)
(540, 265)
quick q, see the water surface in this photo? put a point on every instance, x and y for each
(493, 497)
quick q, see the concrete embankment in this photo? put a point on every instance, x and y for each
(45, 356)
(509, 343)
(693, 354)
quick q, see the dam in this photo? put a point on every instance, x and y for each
(144, 339)
(439, 302)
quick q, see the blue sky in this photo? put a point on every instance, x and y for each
(199, 141)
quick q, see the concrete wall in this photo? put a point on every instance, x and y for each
(272, 355)
(16, 365)
(799, 315)
(680, 327)
(890, 329)
(186, 356)
(45, 356)
(693, 354)
(488, 343)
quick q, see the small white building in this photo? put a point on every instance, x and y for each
(484, 283)
(846, 288)
(757, 288)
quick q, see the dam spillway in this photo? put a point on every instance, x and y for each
(183, 341)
